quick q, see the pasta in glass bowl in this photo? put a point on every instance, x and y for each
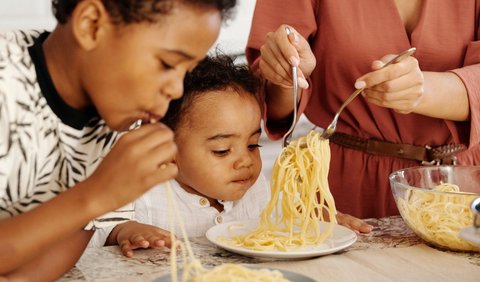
(434, 201)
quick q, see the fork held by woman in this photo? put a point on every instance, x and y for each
(328, 132)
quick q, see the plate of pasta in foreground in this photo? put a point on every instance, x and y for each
(232, 236)
(249, 273)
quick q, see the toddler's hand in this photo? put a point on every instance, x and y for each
(133, 235)
(356, 224)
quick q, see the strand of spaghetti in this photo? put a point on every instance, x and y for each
(299, 184)
(173, 248)
(224, 272)
(193, 269)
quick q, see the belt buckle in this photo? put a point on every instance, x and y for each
(450, 159)
(432, 162)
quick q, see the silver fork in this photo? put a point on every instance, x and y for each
(288, 135)
(328, 132)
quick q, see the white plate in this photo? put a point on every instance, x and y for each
(289, 275)
(471, 235)
(341, 238)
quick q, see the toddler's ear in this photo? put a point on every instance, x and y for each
(90, 21)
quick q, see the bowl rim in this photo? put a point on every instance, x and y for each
(395, 173)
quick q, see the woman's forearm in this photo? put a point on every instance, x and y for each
(445, 97)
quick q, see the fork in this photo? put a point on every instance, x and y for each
(328, 132)
(289, 133)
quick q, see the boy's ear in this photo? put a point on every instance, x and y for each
(90, 20)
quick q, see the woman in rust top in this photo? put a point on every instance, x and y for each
(431, 100)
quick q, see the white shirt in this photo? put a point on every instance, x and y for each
(197, 214)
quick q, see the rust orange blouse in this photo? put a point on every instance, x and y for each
(346, 36)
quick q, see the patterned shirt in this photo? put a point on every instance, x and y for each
(46, 146)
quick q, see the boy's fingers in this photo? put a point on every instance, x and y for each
(158, 137)
(161, 174)
(146, 130)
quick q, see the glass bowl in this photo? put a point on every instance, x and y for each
(437, 216)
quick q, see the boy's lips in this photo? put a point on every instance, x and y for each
(151, 118)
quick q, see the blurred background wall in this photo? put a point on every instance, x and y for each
(25, 14)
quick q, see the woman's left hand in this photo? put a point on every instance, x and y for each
(356, 224)
(399, 86)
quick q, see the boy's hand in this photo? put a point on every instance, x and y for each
(135, 164)
(356, 224)
(133, 235)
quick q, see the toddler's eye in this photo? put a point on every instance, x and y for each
(165, 65)
(254, 146)
(221, 153)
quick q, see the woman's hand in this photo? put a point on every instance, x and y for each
(356, 224)
(399, 86)
(280, 52)
(133, 235)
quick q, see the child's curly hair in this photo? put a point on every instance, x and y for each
(213, 74)
(134, 11)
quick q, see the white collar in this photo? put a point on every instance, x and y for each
(197, 200)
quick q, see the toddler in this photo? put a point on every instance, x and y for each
(217, 128)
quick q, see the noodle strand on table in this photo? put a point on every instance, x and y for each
(192, 267)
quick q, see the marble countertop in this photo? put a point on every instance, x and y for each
(108, 264)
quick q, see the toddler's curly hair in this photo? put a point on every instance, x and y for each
(214, 73)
